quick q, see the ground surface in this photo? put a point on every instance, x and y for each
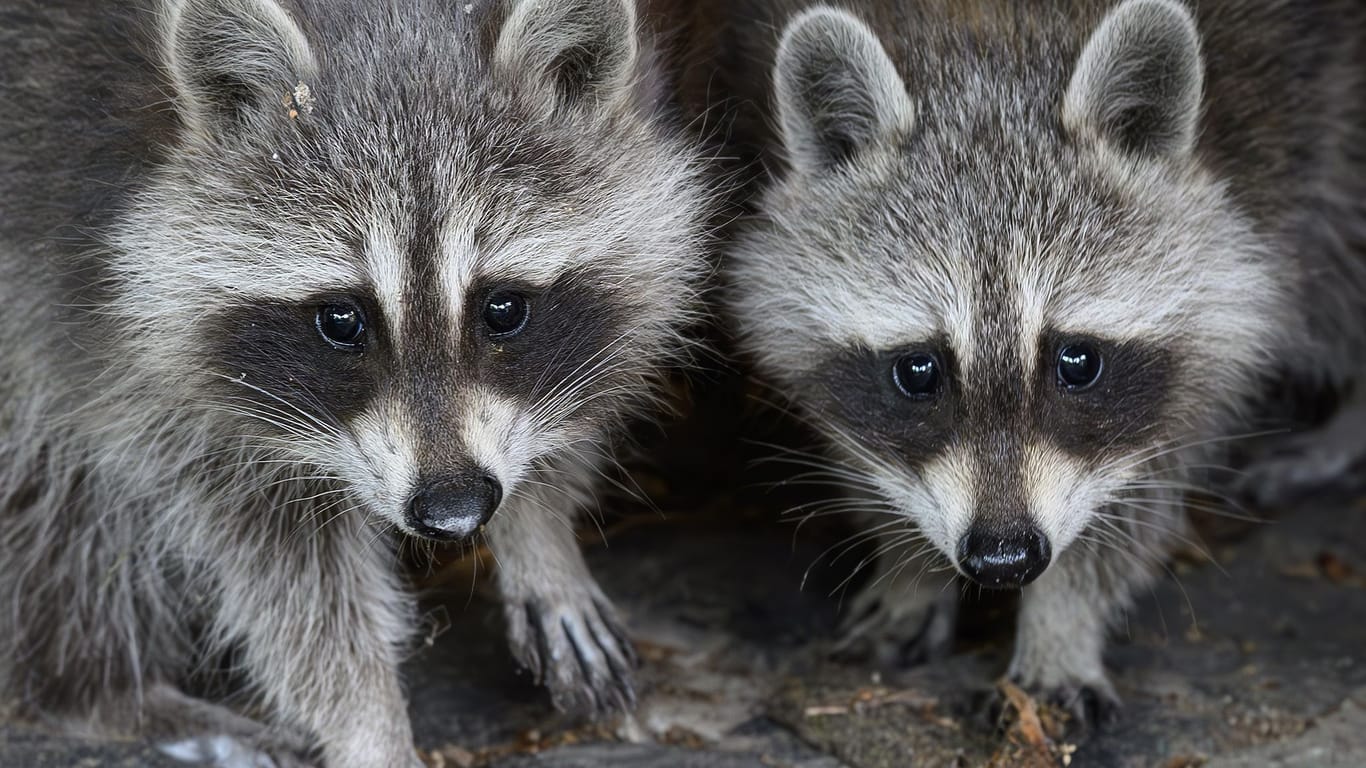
(1258, 660)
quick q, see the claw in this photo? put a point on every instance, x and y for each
(1090, 707)
(618, 665)
(608, 618)
(887, 642)
(539, 655)
(587, 652)
(597, 679)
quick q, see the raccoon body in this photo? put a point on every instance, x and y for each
(1022, 262)
(286, 285)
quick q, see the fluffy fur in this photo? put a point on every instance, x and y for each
(989, 182)
(188, 468)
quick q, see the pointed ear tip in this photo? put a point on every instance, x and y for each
(205, 46)
(1169, 23)
(820, 20)
(822, 27)
(1175, 8)
(536, 34)
(1177, 14)
(526, 18)
(627, 8)
(267, 14)
(1102, 89)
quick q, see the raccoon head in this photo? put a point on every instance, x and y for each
(1004, 285)
(420, 248)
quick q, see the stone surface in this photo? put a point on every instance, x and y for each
(1334, 740)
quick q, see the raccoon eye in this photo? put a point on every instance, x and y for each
(342, 325)
(917, 375)
(506, 313)
(1079, 366)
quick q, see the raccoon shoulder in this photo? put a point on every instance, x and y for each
(81, 113)
(1285, 111)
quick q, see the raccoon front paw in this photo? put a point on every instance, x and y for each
(1298, 466)
(896, 628)
(1092, 706)
(1088, 706)
(578, 650)
(224, 751)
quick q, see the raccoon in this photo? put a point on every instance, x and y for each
(1022, 263)
(285, 286)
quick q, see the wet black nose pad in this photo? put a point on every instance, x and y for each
(1003, 558)
(454, 507)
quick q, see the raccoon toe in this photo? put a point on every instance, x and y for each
(889, 639)
(880, 638)
(195, 730)
(227, 752)
(1098, 708)
(1088, 707)
(1300, 466)
(581, 655)
(1310, 462)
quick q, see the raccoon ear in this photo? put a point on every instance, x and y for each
(231, 59)
(576, 50)
(1139, 81)
(835, 88)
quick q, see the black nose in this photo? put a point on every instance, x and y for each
(1001, 558)
(453, 507)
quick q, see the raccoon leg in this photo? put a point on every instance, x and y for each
(560, 624)
(904, 615)
(1313, 460)
(1061, 634)
(319, 618)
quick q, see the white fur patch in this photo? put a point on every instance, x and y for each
(216, 751)
(498, 437)
(854, 307)
(540, 257)
(387, 269)
(459, 256)
(382, 463)
(1052, 482)
(941, 500)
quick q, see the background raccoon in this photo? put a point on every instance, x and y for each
(1022, 262)
(280, 283)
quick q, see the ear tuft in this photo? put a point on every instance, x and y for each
(573, 50)
(836, 89)
(232, 59)
(1139, 82)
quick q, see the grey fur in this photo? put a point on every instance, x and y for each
(185, 470)
(1060, 176)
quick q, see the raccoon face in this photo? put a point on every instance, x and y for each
(395, 251)
(1008, 298)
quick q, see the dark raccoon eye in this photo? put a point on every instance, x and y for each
(506, 312)
(1079, 366)
(342, 325)
(917, 375)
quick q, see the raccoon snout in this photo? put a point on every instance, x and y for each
(455, 506)
(1004, 558)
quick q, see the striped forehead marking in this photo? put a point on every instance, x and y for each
(387, 270)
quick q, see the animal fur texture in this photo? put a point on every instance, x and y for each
(260, 268)
(1024, 264)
